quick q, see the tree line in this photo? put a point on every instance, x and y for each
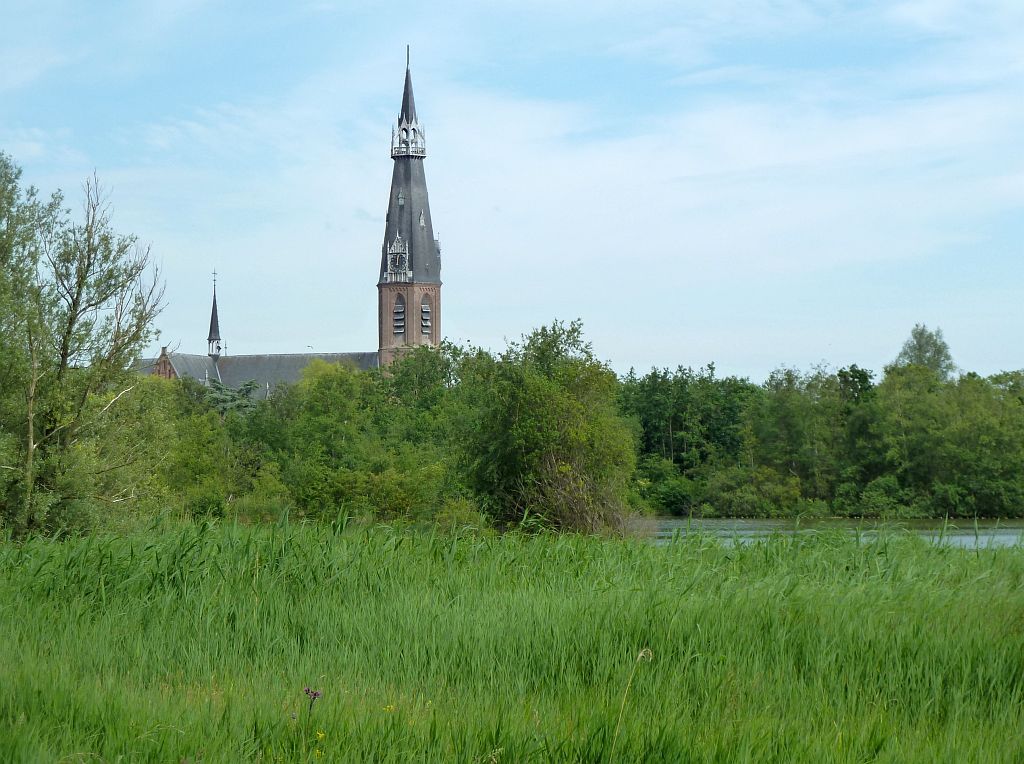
(540, 435)
(918, 442)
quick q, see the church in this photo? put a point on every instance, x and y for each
(408, 288)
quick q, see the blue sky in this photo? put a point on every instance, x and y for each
(755, 184)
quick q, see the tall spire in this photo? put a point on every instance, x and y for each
(214, 340)
(409, 288)
(410, 252)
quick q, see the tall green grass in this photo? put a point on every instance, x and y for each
(196, 644)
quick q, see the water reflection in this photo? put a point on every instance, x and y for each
(967, 534)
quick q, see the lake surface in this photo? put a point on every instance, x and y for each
(960, 533)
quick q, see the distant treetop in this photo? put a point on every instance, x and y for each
(929, 349)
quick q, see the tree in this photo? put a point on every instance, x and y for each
(954, 448)
(226, 400)
(543, 438)
(22, 216)
(78, 302)
(928, 349)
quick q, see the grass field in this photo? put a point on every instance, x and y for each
(196, 644)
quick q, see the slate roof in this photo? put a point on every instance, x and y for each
(268, 370)
(214, 320)
(408, 103)
(409, 210)
(200, 367)
(281, 368)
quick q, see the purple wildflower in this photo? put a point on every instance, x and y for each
(313, 696)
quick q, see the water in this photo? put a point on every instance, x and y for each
(968, 534)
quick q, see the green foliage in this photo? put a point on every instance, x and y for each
(542, 435)
(915, 445)
(664, 487)
(196, 644)
(883, 497)
(929, 350)
(760, 492)
(544, 438)
(362, 444)
(688, 417)
(957, 448)
(77, 304)
(229, 400)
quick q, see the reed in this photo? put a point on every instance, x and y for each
(198, 644)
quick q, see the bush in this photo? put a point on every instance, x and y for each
(661, 484)
(882, 497)
(542, 438)
(759, 492)
(205, 499)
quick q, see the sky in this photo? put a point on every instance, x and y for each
(749, 183)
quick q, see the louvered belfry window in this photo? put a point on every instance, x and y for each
(425, 316)
(398, 316)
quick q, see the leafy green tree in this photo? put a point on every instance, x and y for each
(912, 414)
(861, 458)
(929, 349)
(227, 400)
(796, 426)
(22, 217)
(78, 303)
(651, 400)
(982, 448)
(410, 400)
(741, 491)
(692, 420)
(955, 448)
(543, 438)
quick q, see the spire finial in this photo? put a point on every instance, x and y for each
(215, 280)
(406, 56)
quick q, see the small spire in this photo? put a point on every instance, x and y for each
(214, 340)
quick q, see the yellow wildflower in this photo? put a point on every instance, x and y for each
(389, 708)
(320, 734)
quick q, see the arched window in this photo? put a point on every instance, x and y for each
(398, 315)
(425, 316)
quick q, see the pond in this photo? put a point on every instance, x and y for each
(968, 534)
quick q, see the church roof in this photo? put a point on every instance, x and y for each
(278, 368)
(268, 370)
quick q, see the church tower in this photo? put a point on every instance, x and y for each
(409, 288)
